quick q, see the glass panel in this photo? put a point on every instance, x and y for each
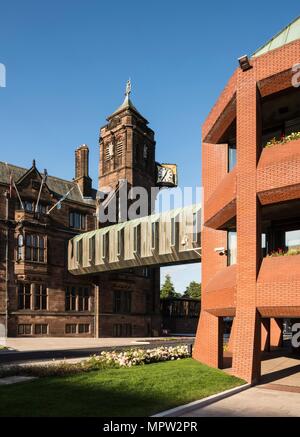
(153, 235)
(86, 299)
(27, 305)
(80, 299)
(195, 225)
(172, 231)
(135, 239)
(44, 298)
(27, 329)
(73, 299)
(68, 299)
(292, 239)
(21, 296)
(232, 248)
(231, 157)
(37, 297)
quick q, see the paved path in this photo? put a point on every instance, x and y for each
(32, 349)
(282, 370)
(254, 402)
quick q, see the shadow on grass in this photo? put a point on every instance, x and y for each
(138, 391)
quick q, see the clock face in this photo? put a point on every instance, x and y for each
(166, 176)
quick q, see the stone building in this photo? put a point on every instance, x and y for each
(38, 296)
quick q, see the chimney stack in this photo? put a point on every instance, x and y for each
(82, 170)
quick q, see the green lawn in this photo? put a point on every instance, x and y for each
(136, 391)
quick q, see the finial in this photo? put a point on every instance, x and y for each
(33, 163)
(128, 88)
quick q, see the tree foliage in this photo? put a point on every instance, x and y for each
(193, 290)
(168, 290)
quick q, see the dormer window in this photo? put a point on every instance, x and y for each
(28, 205)
(77, 220)
(42, 208)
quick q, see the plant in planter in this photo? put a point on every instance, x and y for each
(284, 139)
(282, 252)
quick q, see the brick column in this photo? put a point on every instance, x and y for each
(276, 335)
(209, 340)
(246, 348)
(209, 345)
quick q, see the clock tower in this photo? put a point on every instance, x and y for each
(128, 301)
(127, 150)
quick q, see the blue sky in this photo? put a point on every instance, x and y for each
(67, 63)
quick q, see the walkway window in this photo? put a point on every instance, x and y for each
(173, 231)
(120, 242)
(104, 245)
(79, 252)
(135, 239)
(231, 247)
(154, 235)
(195, 227)
(92, 250)
(231, 156)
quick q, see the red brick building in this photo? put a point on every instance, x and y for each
(252, 207)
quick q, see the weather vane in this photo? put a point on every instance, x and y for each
(128, 88)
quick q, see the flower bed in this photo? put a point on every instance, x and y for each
(293, 136)
(136, 357)
(105, 360)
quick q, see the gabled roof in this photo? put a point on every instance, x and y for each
(290, 33)
(59, 187)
